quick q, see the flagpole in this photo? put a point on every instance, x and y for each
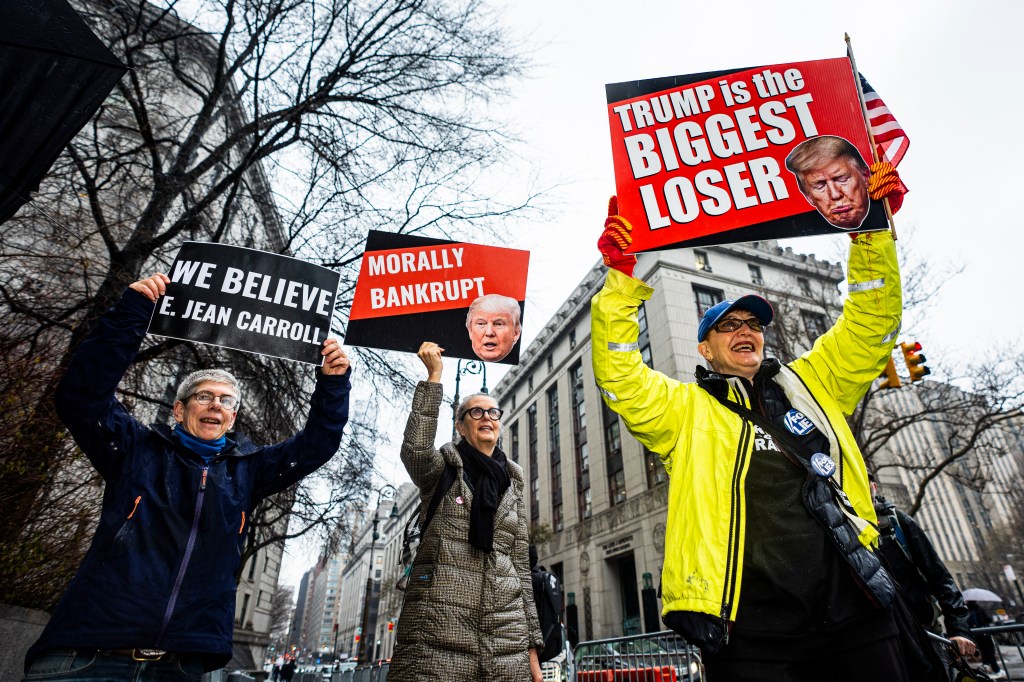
(867, 126)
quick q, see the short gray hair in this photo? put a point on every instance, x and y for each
(815, 151)
(495, 303)
(188, 385)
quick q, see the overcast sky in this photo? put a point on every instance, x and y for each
(949, 71)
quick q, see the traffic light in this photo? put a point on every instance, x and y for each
(914, 360)
(357, 639)
(889, 377)
(391, 626)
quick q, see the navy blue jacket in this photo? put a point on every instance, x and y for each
(160, 572)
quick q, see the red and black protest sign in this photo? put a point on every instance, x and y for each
(701, 159)
(248, 300)
(415, 289)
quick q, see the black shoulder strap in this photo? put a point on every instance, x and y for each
(443, 484)
(795, 447)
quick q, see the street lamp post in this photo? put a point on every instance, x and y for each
(386, 492)
(472, 367)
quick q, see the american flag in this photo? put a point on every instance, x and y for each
(890, 139)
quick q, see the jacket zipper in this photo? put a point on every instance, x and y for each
(135, 506)
(185, 559)
(732, 556)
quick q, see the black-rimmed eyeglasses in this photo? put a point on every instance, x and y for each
(479, 412)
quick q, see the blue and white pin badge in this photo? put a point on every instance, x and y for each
(798, 424)
(823, 464)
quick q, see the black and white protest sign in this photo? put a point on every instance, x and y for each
(248, 300)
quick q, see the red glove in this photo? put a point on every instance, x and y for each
(885, 182)
(615, 239)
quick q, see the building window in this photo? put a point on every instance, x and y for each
(529, 384)
(755, 275)
(773, 344)
(706, 298)
(252, 568)
(554, 445)
(805, 286)
(531, 436)
(643, 339)
(514, 450)
(814, 323)
(613, 455)
(551, 362)
(701, 262)
(572, 338)
(656, 474)
(579, 427)
(245, 608)
(513, 401)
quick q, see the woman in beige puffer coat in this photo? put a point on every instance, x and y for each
(469, 613)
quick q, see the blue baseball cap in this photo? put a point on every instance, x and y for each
(761, 309)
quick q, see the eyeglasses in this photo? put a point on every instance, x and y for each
(228, 402)
(479, 412)
(731, 324)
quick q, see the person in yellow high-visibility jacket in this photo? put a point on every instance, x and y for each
(769, 566)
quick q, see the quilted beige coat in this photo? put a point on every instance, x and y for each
(468, 614)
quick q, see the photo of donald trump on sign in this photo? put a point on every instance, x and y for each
(493, 326)
(833, 177)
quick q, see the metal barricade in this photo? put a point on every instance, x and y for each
(1008, 646)
(1009, 641)
(656, 657)
(376, 672)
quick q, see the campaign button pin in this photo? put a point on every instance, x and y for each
(797, 423)
(459, 500)
(823, 464)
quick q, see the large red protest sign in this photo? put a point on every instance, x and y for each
(415, 289)
(701, 159)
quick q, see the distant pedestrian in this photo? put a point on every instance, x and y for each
(978, 617)
(288, 670)
(275, 672)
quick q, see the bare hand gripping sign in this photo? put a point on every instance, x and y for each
(468, 298)
(702, 158)
(248, 300)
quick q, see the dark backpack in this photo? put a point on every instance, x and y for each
(414, 530)
(547, 593)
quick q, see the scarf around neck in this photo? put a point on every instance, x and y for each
(489, 479)
(207, 449)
